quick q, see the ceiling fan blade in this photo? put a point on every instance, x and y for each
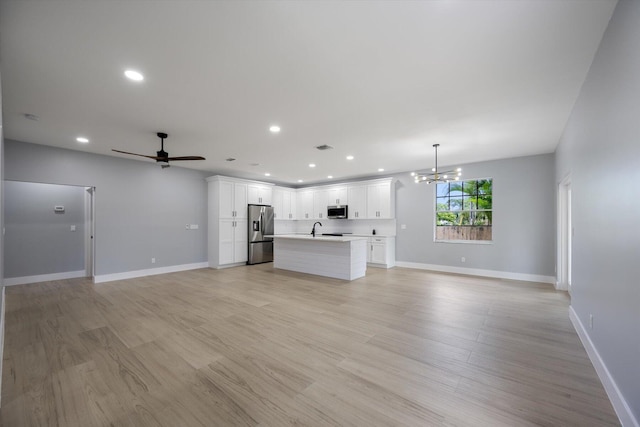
(186, 158)
(141, 155)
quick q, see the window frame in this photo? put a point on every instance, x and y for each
(435, 214)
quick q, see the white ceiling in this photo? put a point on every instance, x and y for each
(380, 80)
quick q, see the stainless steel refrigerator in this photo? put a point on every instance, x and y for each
(260, 225)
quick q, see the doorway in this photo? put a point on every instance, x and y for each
(89, 231)
(49, 232)
(565, 235)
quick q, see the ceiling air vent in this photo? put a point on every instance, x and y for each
(324, 147)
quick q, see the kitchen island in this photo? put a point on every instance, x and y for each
(340, 257)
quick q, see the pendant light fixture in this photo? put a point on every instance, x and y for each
(437, 175)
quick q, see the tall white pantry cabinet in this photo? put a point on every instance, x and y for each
(227, 221)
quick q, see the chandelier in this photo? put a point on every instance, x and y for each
(437, 175)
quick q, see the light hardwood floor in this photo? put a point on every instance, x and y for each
(258, 346)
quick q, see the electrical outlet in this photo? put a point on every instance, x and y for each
(590, 321)
(463, 259)
(153, 260)
(403, 226)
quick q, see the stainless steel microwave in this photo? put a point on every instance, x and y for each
(337, 212)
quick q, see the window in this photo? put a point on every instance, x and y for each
(464, 210)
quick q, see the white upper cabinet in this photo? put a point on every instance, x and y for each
(380, 200)
(305, 204)
(259, 194)
(338, 195)
(284, 203)
(320, 203)
(232, 200)
(278, 203)
(357, 201)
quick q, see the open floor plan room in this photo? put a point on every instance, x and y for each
(256, 345)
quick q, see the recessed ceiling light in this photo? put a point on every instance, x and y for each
(300, 180)
(312, 165)
(230, 159)
(380, 170)
(82, 139)
(330, 176)
(267, 174)
(349, 157)
(134, 75)
(274, 129)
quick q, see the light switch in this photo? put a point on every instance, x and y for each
(73, 228)
(194, 226)
(403, 226)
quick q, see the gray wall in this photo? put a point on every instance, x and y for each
(141, 209)
(37, 239)
(601, 149)
(523, 219)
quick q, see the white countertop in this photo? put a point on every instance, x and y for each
(318, 237)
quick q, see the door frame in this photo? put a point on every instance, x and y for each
(565, 235)
(89, 232)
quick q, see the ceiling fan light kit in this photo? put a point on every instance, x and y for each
(436, 175)
(162, 156)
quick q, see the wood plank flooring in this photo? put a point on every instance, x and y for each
(256, 346)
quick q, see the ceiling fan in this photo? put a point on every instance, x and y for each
(162, 156)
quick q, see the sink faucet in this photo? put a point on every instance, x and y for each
(313, 230)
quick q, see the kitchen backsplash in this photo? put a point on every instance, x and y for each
(383, 227)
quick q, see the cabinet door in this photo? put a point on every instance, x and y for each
(357, 195)
(338, 196)
(225, 241)
(320, 203)
(379, 201)
(258, 194)
(266, 195)
(293, 206)
(253, 194)
(281, 200)
(377, 250)
(240, 200)
(305, 204)
(378, 253)
(241, 241)
(225, 196)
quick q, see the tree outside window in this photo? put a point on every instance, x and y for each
(464, 210)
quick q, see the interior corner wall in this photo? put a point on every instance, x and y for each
(600, 148)
(523, 221)
(140, 209)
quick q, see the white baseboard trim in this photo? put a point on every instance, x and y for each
(12, 281)
(1, 339)
(479, 272)
(237, 264)
(148, 272)
(617, 400)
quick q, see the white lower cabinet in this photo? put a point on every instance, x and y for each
(382, 252)
(233, 243)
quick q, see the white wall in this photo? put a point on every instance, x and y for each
(600, 148)
(141, 209)
(523, 221)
